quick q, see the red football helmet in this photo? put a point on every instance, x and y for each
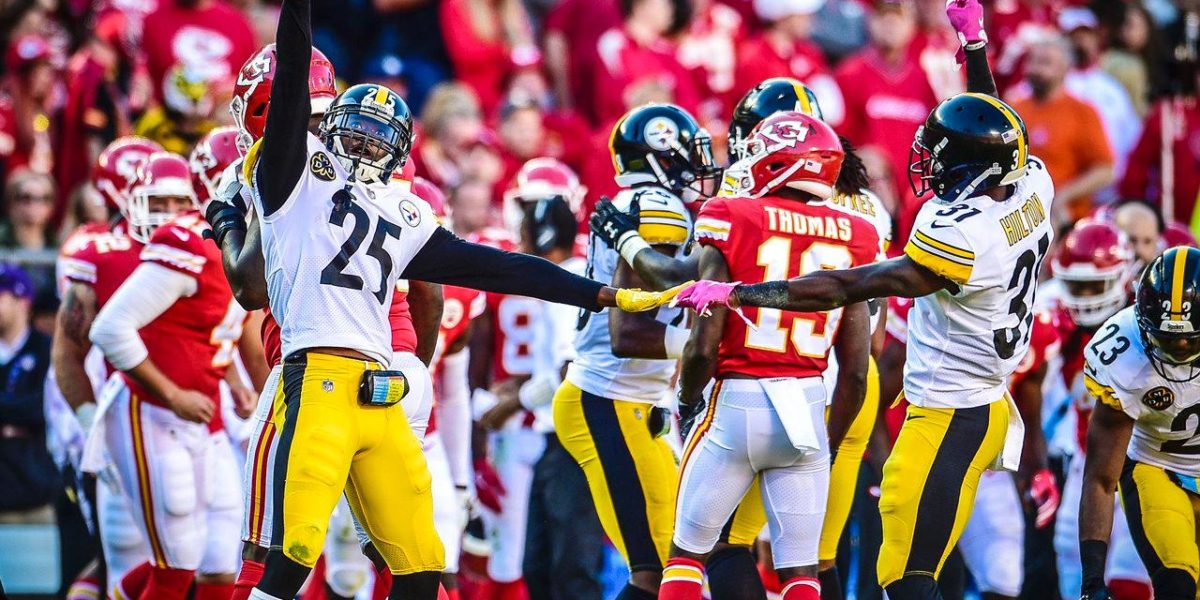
(427, 191)
(252, 92)
(538, 179)
(163, 175)
(116, 169)
(209, 159)
(1177, 234)
(1095, 266)
(789, 149)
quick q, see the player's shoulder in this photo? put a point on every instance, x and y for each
(180, 243)
(663, 217)
(649, 197)
(1115, 355)
(1037, 181)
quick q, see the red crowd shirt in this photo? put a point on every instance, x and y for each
(758, 59)
(1143, 172)
(709, 49)
(623, 63)
(480, 63)
(581, 23)
(798, 237)
(885, 104)
(215, 41)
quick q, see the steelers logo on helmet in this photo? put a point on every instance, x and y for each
(1159, 398)
(661, 134)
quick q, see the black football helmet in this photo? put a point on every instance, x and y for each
(777, 94)
(1167, 307)
(968, 143)
(663, 144)
(370, 131)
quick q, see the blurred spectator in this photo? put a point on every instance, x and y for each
(783, 49)
(84, 206)
(1013, 26)
(28, 206)
(936, 45)
(451, 123)
(888, 95)
(573, 28)
(27, 473)
(187, 111)
(522, 134)
(471, 207)
(1173, 189)
(26, 103)
(638, 55)
(564, 130)
(206, 40)
(387, 70)
(486, 39)
(1143, 226)
(841, 27)
(104, 88)
(707, 48)
(1064, 131)
(1136, 57)
(1092, 84)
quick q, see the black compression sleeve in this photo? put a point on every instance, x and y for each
(284, 145)
(979, 73)
(449, 259)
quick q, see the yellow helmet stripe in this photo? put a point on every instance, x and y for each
(1022, 150)
(612, 144)
(1179, 268)
(381, 95)
(802, 97)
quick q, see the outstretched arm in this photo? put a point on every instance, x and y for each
(827, 290)
(284, 150)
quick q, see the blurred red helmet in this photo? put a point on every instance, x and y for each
(1095, 265)
(427, 191)
(209, 159)
(1177, 234)
(164, 174)
(26, 50)
(116, 169)
(252, 92)
(539, 179)
(789, 149)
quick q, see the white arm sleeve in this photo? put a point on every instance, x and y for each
(148, 293)
(454, 416)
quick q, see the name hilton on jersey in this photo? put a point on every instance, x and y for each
(1019, 223)
(786, 221)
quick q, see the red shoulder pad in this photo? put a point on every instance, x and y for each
(714, 223)
(179, 244)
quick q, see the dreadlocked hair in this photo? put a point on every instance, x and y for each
(853, 178)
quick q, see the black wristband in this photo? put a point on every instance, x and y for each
(1093, 554)
(224, 219)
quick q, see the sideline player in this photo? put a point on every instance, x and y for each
(171, 329)
(1142, 370)
(765, 418)
(604, 411)
(972, 264)
(337, 402)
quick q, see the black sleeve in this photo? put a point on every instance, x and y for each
(449, 259)
(979, 73)
(284, 144)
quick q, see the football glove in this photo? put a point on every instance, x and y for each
(1043, 489)
(612, 225)
(226, 211)
(687, 416)
(635, 300)
(489, 490)
(966, 16)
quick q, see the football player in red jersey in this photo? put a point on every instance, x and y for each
(92, 264)
(765, 416)
(1093, 271)
(170, 329)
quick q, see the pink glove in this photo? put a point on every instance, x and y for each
(1044, 491)
(488, 488)
(966, 17)
(702, 294)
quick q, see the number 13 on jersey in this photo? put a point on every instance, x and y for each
(810, 336)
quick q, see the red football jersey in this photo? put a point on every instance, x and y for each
(1044, 345)
(773, 239)
(193, 342)
(460, 306)
(100, 259)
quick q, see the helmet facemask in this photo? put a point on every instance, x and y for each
(1173, 353)
(1091, 298)
(143, 217)
(689, 170)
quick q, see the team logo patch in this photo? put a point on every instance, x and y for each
(322, 167)
(410, 213)
(1159, 398)
(661, 134)
(327, 385)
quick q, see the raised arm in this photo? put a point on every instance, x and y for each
(620, 231)
(966, 17)
(284, 149)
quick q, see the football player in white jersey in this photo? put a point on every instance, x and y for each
(1142, 368)
(972, 264)
(337, 410)
(605, 412)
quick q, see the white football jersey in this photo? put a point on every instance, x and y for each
(1118, 373)
(963, 343)
(664, 221)
(331, 274)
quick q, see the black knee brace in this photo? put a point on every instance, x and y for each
(1173, 584)
(733, 575)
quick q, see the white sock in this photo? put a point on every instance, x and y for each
(257, 594)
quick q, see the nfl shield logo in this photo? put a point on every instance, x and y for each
(327, 385)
